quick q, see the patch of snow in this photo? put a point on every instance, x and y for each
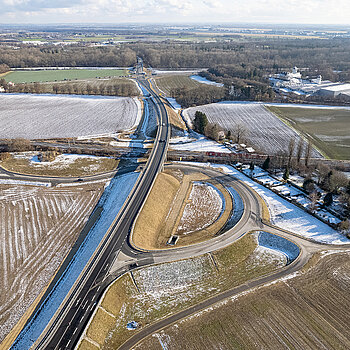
(265, 255)
(203, 80)
(173, 103)
(300, 105)
(64, 159)
(179, 275)
(202, 144)
(206, 204)
(268, 180)
(165, 71)
(289, 190)
(128, 144)
(27, 183)
(181, 140)
(256, 172)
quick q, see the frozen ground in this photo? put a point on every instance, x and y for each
(38, 226)
(176, 276)
(201, 144)
(205, 205)
(112, 200)
(205, 81)
(52, 116)
(286, 215)
(62, 160)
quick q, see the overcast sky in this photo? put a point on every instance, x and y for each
(175, 11)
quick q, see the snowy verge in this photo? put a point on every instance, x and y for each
(284, 214)
(174, 103)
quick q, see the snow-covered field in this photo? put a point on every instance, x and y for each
(112, 200)
(205, 204)
(52, 116)
(205, 81)
(172, 277)
(38, 227)
(265, 131)
(201, 144)
(285, 214)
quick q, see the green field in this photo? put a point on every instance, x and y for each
(59, 75)
(329, 129)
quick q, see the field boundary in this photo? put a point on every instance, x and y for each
(314, 140)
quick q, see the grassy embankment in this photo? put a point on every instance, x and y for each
(309, 311)
(78, 167)
(233, 266)
(175, 119)
(161, 214)
(328, 129)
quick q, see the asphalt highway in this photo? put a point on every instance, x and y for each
(69, 322)
(250, 221)
(117, 255)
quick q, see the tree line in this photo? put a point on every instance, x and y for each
(249, 59)
(117, 87)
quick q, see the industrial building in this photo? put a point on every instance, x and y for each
(293, 83)
(335, 90)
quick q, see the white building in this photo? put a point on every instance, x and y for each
(335, 90)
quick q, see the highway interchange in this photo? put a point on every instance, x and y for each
(116, 254)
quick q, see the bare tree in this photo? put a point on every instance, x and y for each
(308, 153)
(322, 172)
(337, 180)
(239, 132)
(300, 149)
(313, 199)
(291, 147)
(19, 145)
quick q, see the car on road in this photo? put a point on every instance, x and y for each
(133, 265)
